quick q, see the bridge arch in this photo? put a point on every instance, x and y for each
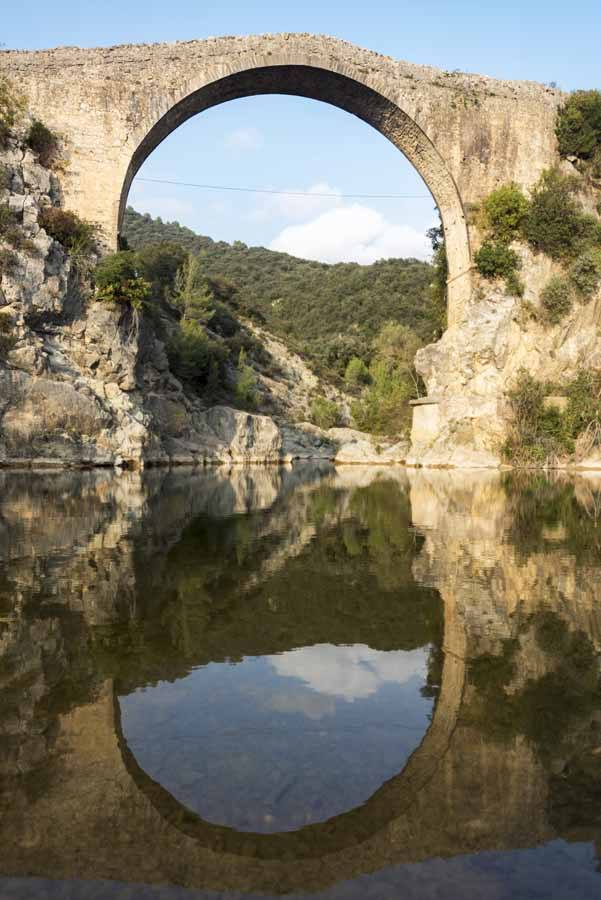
(316, 80)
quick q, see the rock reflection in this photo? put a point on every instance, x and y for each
(98, 595)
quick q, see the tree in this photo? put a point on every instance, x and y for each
(192, 294)
(356, 372)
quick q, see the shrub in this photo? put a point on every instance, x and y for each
(117, 280)
(539, 434)
(495, 259)
(585, 273)
(504, 211)
(246, 383)
(324, 413)
(8, 261)
(554, 223)
(43, 142)
(190, 350)
(11, 107)
(583, 413)
(556, 299)
(75, 235)
(542, 433)
(356, 372)
(579, 125)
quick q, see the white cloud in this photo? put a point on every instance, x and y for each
(352, 233)
(297, 203)
(349, 672)
(244, 139)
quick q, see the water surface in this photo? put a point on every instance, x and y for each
(362, 683)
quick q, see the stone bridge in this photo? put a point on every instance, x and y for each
(465, 134)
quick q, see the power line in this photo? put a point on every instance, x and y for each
(247, 190)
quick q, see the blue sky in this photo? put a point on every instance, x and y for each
(294, 144)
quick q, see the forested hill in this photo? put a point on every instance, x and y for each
(326, 310)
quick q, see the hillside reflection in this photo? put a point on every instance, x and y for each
(449, 621)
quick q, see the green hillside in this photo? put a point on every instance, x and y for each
(331, 312)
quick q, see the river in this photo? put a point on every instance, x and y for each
(302, 682)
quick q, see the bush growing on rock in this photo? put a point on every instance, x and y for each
(43, 142)
(554, 223)
(117, 280)
(324, 413)
(540, 433)
(504, 212)
(556, 298)
(74, 235)
(495, 259)
(585, 273)
(579, 125)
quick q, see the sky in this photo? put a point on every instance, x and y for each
(301, 146)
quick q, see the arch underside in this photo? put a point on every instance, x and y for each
(347, 94)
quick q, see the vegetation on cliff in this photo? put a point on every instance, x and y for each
(544, 431)
(579, 129)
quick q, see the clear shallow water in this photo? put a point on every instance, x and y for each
(299, 682)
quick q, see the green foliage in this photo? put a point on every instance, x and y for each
(583, 413)
(356, 372)
(328, 312)
(158, 264)
(191, 353)
(246, 383)
(11, 107)
(437, 308)
(504, 211)
(324, 413)
(495, 259)
(76, 236)
(585, 272)
(579, 125)
(192, 294)
(555, 223)
(556, 299)
(541, 433)
(43, 142)
(117, 280)
(384, 405)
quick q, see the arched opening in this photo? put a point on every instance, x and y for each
(235, 618)
(352, 96)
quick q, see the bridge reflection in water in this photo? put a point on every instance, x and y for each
(112, 583)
